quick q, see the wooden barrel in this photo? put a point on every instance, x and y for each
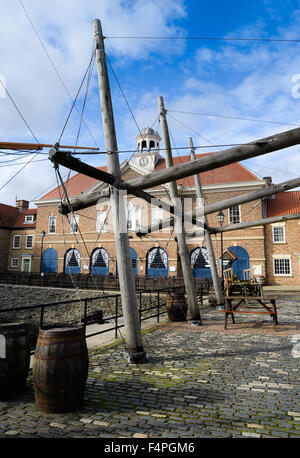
(60, 369)
(14, 360)
(176, 307)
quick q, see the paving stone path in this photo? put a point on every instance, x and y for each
(198, 382)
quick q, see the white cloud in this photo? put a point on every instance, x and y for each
(66, 29)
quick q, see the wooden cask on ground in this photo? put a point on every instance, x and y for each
(14, 360)
(176, 307)
(60, 369)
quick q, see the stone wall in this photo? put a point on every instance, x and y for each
(70, 314)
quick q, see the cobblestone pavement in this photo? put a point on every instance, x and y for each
(198, 382)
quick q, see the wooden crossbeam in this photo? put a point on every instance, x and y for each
(259, 222)
(231, 202)
(67, 160)
(38, 146)
(219, 159)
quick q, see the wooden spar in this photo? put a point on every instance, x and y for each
(259, 222)
(232, 201)
(209, 245)
(215, 160)
(38, 146)
(134, 342)
(193, 308)
(219, 159)
(77, 203)
(247, 224)
(66, 160)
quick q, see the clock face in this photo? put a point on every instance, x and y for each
(144, 161)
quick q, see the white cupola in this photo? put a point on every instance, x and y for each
(148, 148)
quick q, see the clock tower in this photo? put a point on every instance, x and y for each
(148, 149)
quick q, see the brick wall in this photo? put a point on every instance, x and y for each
(251, 239)
(4, 243)
(290, 249)
(20, 253)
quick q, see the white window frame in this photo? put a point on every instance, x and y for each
(282, 225)
(29, 219)
(14, 242)
(74, 223)
(26, 243)
(12, 262)
(101, 222)
(134, 222)
(282, 257)
(51, 225)
(240, 214)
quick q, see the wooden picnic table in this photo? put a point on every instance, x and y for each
(231, 309)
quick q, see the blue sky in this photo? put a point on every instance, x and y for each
(223, 78)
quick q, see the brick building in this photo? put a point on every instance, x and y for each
(282, 241)
(85, 243)
(17, 235)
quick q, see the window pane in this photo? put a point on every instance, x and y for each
(29, 240)
(278, 234)
(101, 216)
(282, 266)
(17, 241)
(74, 223)
(14, 262)
(234, 214)
(52, 224)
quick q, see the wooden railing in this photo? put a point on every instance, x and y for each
(97, 282)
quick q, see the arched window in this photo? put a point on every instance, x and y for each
(199, 263)
(143, 145)
(157, 262)
(72, 261)
(152, 144)
(99, 261)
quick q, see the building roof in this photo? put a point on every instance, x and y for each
(75, 186)
(229, 174)
(232, 173)
(13, 218)
(8, 215)
(284, 203)
(20, 220)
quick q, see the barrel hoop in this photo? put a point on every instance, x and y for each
(58, 358)
(46, 333)
(54, 341)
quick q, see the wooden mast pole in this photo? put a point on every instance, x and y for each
(209, 245)
(193, 308)
(133, 335)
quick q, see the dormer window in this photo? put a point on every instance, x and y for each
(29, 219)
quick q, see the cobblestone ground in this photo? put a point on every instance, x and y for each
(198, 382)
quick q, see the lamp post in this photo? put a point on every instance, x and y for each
(43, 233)
(221, 218)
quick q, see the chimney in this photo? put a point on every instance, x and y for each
(22, 205)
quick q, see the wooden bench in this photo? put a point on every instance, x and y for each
(231, 309)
